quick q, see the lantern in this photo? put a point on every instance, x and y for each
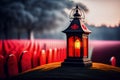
(77, 40)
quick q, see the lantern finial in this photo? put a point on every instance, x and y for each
(76, 15)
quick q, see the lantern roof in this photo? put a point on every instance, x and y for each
(77, 25)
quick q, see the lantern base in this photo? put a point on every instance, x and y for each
(77, 62)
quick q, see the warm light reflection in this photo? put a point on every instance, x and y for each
(43, 51)
(77, 44)
(55, 49)
(50, 50)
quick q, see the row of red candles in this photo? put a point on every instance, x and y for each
(18, 56)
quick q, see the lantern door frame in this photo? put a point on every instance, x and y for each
(68, 46)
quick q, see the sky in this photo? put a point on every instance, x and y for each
(102, 12)
(26, 18)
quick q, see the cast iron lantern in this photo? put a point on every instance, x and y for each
(77, 41)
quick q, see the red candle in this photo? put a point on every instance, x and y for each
(43, 57)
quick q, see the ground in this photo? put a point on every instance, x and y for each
(54, 71)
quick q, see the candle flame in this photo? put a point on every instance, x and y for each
(77, 44)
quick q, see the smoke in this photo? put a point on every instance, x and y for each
(20, 18)
(37, 15)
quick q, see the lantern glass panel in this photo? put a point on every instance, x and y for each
(70, 46)
(85, 45)
(74, 45)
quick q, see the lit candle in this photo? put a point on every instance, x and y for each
(49, 55)
(77, 48)
(43, 57)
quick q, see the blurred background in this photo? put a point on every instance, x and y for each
(34, 27)
(36, 19)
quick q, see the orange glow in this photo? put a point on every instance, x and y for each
(77, 44)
